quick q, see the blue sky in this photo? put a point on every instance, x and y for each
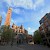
(25, 12)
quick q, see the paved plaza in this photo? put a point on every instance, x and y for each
(24, 47)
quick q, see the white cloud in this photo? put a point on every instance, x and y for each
(22, 3)
(17, 11)
(31, 30)
(38, 3)
(28, 4)
(8, 1)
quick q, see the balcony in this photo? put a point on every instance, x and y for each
(49, 28)
(43, 31)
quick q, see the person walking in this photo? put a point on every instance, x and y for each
(11, 43)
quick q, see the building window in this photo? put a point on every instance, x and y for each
(48, 16)
(46, 23)
(42, 21)
(48, 28)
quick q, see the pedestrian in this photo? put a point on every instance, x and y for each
(11, 43)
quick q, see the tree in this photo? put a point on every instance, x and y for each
(7, 33)
(37, 37)
(0, 27)
(0, 23)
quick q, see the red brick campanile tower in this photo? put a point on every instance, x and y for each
(8, 17)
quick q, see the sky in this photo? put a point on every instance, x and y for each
(25, 12)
